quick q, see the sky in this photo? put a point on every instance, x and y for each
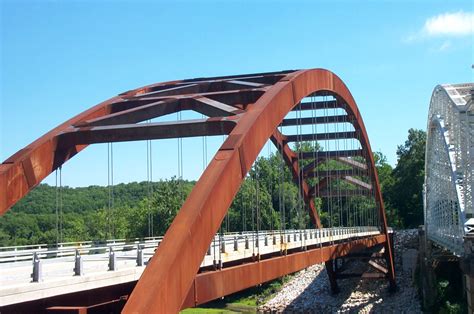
(58, 58)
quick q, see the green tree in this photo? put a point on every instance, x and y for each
(406, 193)
(167, 199)
(386, 180)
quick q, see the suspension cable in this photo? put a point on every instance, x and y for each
(149, 174)
(110, 183)
(299, 137)
(359, 192)
(338, 171)
(257, 167)
(57, 208)
(253, 212)
(351, 126)
(316, 173)
(328, 177)
(314, 130)
(271, 186)
(180, 160)
(61, 213)
(346, 147)
(281, 195)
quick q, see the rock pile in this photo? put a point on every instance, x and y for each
(308, 291)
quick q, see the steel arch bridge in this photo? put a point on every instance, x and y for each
(449, 166)
(250, 109)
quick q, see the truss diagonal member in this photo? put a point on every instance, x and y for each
(230, 97)
(291, 160)
(212, 108)
(353, 163)
(313, 164)
(135, 114)
(358, 182)
(321, 185)
(378, 267)
(176, 90)
(204, 105)
(238, 84)
(320, 157)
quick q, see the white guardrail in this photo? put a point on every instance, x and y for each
(224, 248)
(31, 272)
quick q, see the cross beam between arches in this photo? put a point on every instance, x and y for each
(248, 108)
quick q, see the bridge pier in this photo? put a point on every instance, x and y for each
(467, 267)
(332, 276)
(428, 279)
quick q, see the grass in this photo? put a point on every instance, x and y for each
(245, 301)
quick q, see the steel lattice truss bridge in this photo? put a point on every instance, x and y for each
(301, 106)
(449, 167)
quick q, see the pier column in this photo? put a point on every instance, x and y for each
(428, 277)
(467, 267)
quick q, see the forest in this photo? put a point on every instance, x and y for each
(267, 199)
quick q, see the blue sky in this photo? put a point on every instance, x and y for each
(59, 58)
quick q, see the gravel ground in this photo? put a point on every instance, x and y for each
(308, 291)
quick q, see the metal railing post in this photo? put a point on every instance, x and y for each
(112, 259)
(78, 267)
(37, 271)
(139, 255)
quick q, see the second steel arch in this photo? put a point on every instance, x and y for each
(169, 276)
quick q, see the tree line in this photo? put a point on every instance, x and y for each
(267, 199)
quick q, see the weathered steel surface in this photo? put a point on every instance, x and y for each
(291, 160)
(247, 107)
(147, 131)
(316, 120)
(212, 285)
(321, 136)
(170, 274)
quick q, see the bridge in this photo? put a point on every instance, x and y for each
(449, 173)
(317, 130)
(449, 170)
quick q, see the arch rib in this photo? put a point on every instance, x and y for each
(170, 274)
(448, 201)
(252, 108)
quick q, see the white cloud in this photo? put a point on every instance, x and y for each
(444, 31)
(450, 24)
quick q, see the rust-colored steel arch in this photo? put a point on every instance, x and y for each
(249, 108)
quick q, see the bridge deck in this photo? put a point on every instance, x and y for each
(58, 275)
